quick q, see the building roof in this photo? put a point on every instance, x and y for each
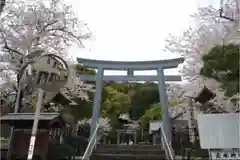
(25, 120)
(28, 116)
(63, 99)
(60, 98)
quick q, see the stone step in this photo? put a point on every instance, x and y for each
(106, 156)
(130, 150)
(135, 146)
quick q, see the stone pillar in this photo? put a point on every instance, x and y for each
(97, 99)
(130, 72)
(154, 139)
(118, 138)
(164, 104)
(135, 137)
(190, 121)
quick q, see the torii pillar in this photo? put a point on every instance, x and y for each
(130, 67)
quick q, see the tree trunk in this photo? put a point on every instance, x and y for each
(21, 95)
(2, 4)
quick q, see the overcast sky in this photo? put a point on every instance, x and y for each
(133, 30)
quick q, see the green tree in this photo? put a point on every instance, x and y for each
(82, 110)
(122, 87)
(141, 95)
(153, 113)
(115, 103)
(144, 95)
(222, 64)
(80, 69)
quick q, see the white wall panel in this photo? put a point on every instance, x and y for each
(219, 131)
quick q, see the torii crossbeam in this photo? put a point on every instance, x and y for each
(130, 67)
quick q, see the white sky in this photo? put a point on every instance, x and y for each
(133, 30)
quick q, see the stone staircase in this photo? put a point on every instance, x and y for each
(127, 152)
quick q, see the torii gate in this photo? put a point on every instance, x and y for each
(158, 65)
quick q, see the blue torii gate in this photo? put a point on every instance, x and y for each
(130, 67)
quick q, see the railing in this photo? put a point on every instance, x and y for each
(91, 144)
(167, 146)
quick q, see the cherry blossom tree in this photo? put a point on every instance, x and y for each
(104, 124)
(29, 29)
(51, 27)
(75, 88)
(210, 29)
(175, 94)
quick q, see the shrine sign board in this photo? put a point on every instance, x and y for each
(227, 154)
(219, 131)
(154, 126)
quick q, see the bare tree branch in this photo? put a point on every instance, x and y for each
(6, 44)
(78, 38)
(49, 24)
